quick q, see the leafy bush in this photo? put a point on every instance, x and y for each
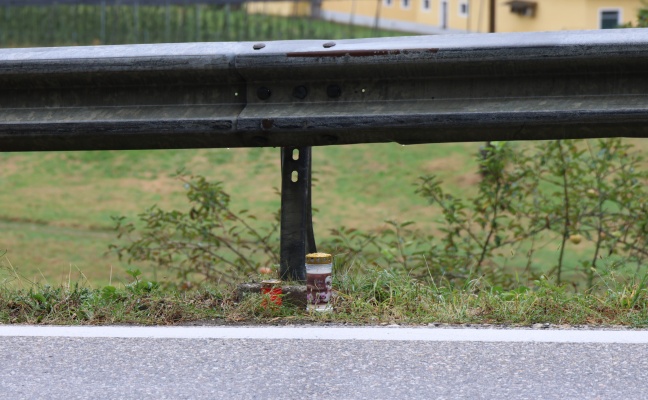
(642, 17)
(208, 242)
(573, 190)
(558, 193)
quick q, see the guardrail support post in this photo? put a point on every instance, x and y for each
(297, 238)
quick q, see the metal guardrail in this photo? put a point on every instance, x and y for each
(297, 94)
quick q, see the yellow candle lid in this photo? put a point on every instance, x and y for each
(319, 258)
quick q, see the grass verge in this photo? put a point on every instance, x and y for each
(380, 297)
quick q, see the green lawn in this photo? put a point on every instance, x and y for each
(56, 208)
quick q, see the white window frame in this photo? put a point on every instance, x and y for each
(429, 7)
(461, 13)
(602, 10)
(406, 6)
(388, 3)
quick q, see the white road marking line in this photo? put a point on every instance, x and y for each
(331, 333)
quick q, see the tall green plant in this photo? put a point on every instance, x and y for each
(209, 241)
(567, 190)
(642, 17)
(502, 214)
(603, 198)
(586, 199)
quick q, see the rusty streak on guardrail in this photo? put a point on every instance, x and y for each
(359, 53)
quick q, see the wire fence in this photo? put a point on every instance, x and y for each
(28, 23)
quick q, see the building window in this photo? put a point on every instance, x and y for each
(426, 5)
(610, 19)
(405, 3)
(523, 8)
(463, 8)
(388, 3)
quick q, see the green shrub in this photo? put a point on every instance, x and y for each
(207, 242)
(569, 191)
(556, 194)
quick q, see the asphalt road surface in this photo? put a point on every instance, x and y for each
(320, 363)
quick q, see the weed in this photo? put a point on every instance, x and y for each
(574, 190)
(378, 296)
(208, 242)
(563, 192)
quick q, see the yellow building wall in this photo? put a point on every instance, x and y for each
(550, 15)
(358, 7)
(428, 16)
(629, 10)
(281, 8)
(398, 12)
(479, 16)
(556, 15)
(476, 21)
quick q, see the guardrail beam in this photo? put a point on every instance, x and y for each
(424, 89)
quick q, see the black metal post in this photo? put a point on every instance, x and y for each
(297, 238)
